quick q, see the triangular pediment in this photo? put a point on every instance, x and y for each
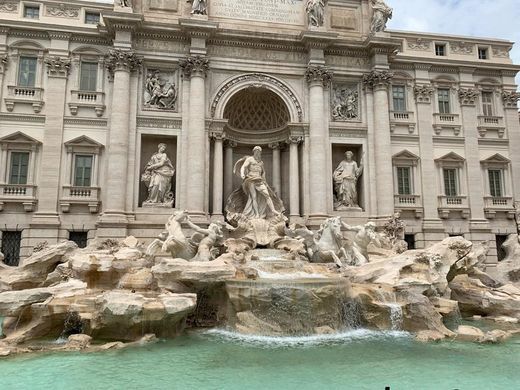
(405, 155)
(497, 158)
(84, 141)
(20, 138)
(451, 156)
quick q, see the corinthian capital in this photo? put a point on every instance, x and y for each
(58, 66)
(126, 60)
(194, 65)
(467, 96)
(318, 74)
(423, 93)
(510, 99)
(377, 78)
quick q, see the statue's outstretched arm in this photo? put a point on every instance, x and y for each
(196, 228)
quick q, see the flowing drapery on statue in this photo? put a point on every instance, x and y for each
(254, 199)
(345, 182)
(157, 176)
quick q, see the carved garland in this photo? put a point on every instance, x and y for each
(467, 96)
(194, 65)
(118, 59)
(9, 6)
(510, 99)
(259, 79)
(62, 11)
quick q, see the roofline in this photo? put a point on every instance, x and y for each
(450, 36)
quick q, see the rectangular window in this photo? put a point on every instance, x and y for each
(495, 183)
(92, 17)
(80, 238)
(487, 103)
(404, 186)
(11, 247)
(450, 182)
(27, 71)
(440, 49)
(31, 11)
(19, 168)
(88, 76)
(82, 171)
(444, 101)
(398, 93)
(482, 53)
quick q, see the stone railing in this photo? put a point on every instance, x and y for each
(402, 116)
(494, 204)
(491, 121)
(24, 194)
(453, 203)
(447, 119)
(89, 196)
(27, 95)
(89, 99)
(409, 202)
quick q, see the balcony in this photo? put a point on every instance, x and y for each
(446, 121)
(409, 203)
(402, 118)
(24, 95)
(491, 123)
(448, 204)
(88, 99)
(88, 196)
(24, 194)
(494, 204)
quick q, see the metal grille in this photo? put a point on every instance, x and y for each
(80, 238)
(11, 247)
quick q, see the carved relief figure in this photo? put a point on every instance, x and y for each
(157, 177)
(315, 12)
(345, 104)
(382, 13)
(255, 199)
(345, 182)
(198, 7)
(159, 93)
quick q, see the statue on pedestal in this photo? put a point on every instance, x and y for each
(382, 13)
(157, 177)
(198, 7)
(124, 3)
(345, 183)
(315, 12)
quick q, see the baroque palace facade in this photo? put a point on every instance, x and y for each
(94, 97)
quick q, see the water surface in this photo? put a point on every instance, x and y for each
(223, 360)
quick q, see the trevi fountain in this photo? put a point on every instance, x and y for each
(254, 300)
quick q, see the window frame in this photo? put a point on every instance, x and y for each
(492, 184)
(483, 50)
(440, 45)
(456, 181)
(404, 98)
(21, 57)
(74, 167)
(10, 167)
(92, 12)
(96, 78)
(401, 168)
(18, 142)
(448, 101)
(27, 6)
(490, 105)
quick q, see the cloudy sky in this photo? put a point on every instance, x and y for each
(480, 18)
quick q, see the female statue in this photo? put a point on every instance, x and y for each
(382, 13)
(157, 176)
(315, 10)
(345, 182)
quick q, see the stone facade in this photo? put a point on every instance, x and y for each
(431, 118)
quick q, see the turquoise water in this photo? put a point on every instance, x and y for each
(220, 360)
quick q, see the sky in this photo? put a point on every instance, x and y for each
(479, 18)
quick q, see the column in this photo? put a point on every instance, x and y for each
(195, 67)
(294, 176)
(379, 81)
(318, 77)
(370, 152)
(183, 149)
(4, 169)
(277, 180)
(121, 63)
(49, 178)
(510, 99)
(218, 180)
(228, 168)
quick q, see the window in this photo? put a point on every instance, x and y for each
(92, 17)
(495, 183)
(80, 238)
(19, 168)
(450, 182)
(487, 103)
(440, 49)
(31, 11)
(482, 53)
(27, 72)
(398, 93)
(410, 240)
(500, 240)
(444, 101)
(404, 186)
(11, 247)
(82, 170)
(88, 76)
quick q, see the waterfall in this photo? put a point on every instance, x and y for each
(396, 315)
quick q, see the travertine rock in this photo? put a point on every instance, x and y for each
(79, 341)
(469, 333)
(495, 336)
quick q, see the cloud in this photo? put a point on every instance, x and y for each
(478, 18)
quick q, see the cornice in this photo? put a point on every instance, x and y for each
(23, 118)
(85, 122)
(161, 36)
(161, 123)
(256, 45)
(90, 39)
